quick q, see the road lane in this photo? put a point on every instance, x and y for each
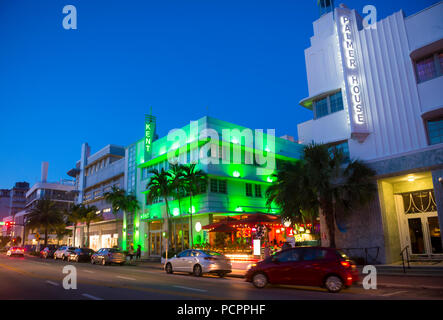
(131, 282)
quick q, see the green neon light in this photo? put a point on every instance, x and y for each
(2, 223)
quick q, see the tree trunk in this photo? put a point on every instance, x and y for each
(168, 231)
(46, 237)
(330, 222)
(87, 235)
(191, 240)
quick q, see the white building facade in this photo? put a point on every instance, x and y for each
(377, 92)
(95, 175)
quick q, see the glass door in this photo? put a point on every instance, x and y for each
(434, 235)
(425, 234)
(416, 236)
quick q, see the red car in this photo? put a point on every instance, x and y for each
(306, 266)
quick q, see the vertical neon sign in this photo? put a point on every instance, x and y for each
(347, 33)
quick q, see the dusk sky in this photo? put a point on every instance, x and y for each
(239, 61)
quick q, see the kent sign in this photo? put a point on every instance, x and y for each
(347, 34)
(149, 135)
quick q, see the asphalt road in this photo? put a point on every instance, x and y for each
(34, 278)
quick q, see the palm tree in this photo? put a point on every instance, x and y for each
(194, 178)
(45, 215)
(117, 198)
(61, 232)
(291, 192)
(177, 185)
(75, 215)
(338, 186)
(159, 188)
(325, 181)
(90, 214)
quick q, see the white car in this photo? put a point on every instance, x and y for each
(199, 262)
(15, 251)
(63, 252)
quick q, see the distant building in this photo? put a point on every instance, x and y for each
(12, 201)
(62, 193)
(94, 176)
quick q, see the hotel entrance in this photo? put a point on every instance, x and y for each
(424, 236)
(417, 216)
(155, 238)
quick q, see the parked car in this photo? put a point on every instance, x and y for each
(106, 256)
(48, 252)
(63, 252)
(81, 254)
(307, 266)
(15, 251)
(199, 262)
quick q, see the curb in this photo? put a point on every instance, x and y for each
(403, 286)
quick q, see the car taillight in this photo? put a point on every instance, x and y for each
(345, 264)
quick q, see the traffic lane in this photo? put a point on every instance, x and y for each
(183, 285)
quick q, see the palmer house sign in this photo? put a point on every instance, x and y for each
(347, 29)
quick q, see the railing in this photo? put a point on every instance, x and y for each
(366, 253)
(405, 249)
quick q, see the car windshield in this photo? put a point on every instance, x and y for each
(114, 250)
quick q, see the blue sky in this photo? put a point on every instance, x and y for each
(240, 61)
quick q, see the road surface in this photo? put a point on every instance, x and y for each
(33, 278)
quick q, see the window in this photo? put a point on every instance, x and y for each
(328, 105)
(289, 256)
(249, 190)
(314, 254)
(343, 147)
(218, 186)
(429, 67)
(258, 191)
(321, 108)
(336, 102)
(435, 131)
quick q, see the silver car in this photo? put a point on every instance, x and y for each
(199, 262)
(63, 252)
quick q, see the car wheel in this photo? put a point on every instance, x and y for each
(221, 274)
(197, 270)
(334, 284)
(76, 259)
(92, 261)
(168, 268)
(104, 262)
(259, 280)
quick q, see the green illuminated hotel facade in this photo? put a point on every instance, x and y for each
(239, 163)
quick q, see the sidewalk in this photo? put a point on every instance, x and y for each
(400, 281)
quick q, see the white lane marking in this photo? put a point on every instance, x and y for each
(52, 283)
(192, 289)
(88, 271)
(393, 293)
(126, 278)
(91, 297)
